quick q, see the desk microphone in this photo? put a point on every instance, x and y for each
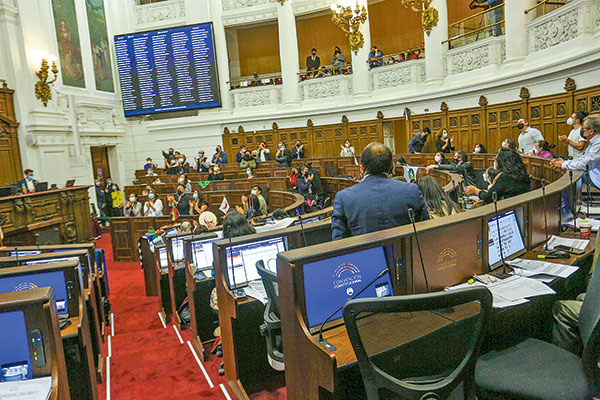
(302, 230)
(234, 290)
(411, 215)
(495, 200)
(543, 182)
(324, 342)
(37, 241)
(17, 254)
(589, 194)
(574, 204)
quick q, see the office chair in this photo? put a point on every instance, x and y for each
(534, 369)
(271, 329)
(421, 346)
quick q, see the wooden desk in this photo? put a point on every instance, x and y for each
(203, 320)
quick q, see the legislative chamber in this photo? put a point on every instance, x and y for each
(299, 199)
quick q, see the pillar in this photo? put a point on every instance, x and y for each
(360, 67)
(288, 52)
(515, 20)
(434, 48)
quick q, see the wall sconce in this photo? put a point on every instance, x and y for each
(349, 22)
(42, 86)
(281, 1)
(429, 15)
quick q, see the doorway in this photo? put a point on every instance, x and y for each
(100, 163)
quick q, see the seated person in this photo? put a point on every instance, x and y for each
(249, 173)
(293, 176)
(279, 214)
(250, 207)
(133, 208)
(27, 184)
(490, 175)
(304, 182)
(146, 190)
(187, 184)
(512, 180)
(151, 172)
(247, 161)
(542, 149)
(197, 203)
(236, 224)
(262, 202)
(479, 148)
(154, 206)
(240, 154)
(509, 143)
(440, 159)
(149, 164)
(298, 151)
(220, 157)
(437, 201)
(283, 156)
(180, 200)
(347, 149)
(461, 166)
(215, 174)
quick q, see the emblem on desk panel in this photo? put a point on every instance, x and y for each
(25, 286)
(346, 274)
(447, 259)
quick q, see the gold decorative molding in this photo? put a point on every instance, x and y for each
(42, 86)
(524, 94)
(349, 22)
(570, 85)
(281, 1)
(429, 15)
(483, 101)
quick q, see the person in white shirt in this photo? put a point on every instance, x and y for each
(575, 142)
(263, 152)
(528, 137)
(153, 207)
(347, 149)
(27, 184)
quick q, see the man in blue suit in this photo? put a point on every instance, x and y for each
(377, 202)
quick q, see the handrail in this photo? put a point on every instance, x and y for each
(475, 15)
(258, 78)
(402, 53)
(327, 67)
(472, 32)
(544, 2)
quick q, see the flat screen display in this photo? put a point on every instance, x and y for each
(329, 283)
(308, 221)
(54, 260)
(510, 233)
(162, 254)
(54, 279)
(15, 358)
(170, 69)
(244, 257)
(22, 253)
(177, 249)
(202, 253)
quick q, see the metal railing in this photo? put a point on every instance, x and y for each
(394, 58)
(476, 27)
(256, 80)
(543, 7)
(325, 71)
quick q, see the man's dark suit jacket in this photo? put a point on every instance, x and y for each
(375, 204)
(310, 64)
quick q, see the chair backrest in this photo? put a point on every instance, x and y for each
(269, 280)
(395, 340)
(589, 329)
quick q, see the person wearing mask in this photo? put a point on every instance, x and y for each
(133, 208)
(185, 182)
(316, 184)
(479, 148)
(220, 157)
(250, 207)
(183, 167)
(528, 137)
(512, 180)
(347, 149)
(298, 151)
(215, 174)
(108, 193)
(461, 165)
(197, 203)
(575, 142)
(440, 159)
(283, 156)
(171, 166)
(293, 177)
(304, 182)
(249, 174)
(118, 199)
(201, 163)
(262, 203)
(437, 201)
(149, 164)
(363, 208)
(239, 155)
(338, 60)
(444, 143)
(263, 153)
(509, 143)
(489, 176)
(180, 200)
(542, 149)
(150, 172)
(27, 184)
(157, 181)
(169, 155)
(154, 206)
(247, 161)
(591, 155)
(417, 142)
(313, 62)
(375, 57)
(101, 200)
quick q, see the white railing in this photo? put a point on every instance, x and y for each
(490, 52)
(405, 73)
(235, 4)
(327, 87)
(170, 12)
(256, 96)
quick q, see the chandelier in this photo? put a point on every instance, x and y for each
(429, 15)
(349, 21)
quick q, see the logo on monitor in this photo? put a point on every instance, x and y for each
(345, 275)
(25, 286)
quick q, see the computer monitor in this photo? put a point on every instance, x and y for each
(510, 233)
(53, 260)
(329, 283)
(177, 254)
(22, 253)
(202, 252)
(53, 279)
(162, 257)
(243, 257)
(15, 357)
(172, 231)
(308, 220)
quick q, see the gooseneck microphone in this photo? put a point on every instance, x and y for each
(589, 194)
(324, 342)
(574, 198)
(17, 254)
(495, 200)
(411, 215)
(543, 182)
(302, 230)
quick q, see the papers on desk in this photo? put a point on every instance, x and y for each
(541, 270)
(271, 226)
(31, 389)
(511, 291)
(595, 224)
(579, 244)
(257, 290)
(592, 210)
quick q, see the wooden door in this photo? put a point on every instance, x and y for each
(100, 162)
(10, 157)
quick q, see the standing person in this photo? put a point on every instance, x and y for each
(347, 149)
(27, 184)
(180, 200)
(528, 137)
(133, 208)
(201, 163)
(375, 57)
(298, 151)
(185, 182)
(313, 62)
(220, 157)
(461, 165)
(575, 142)
(304, 182)
(118, 199)
(215, 174)
(149, 164)
(363, 208)
(263, 153)
(283, 156)
(293, 177)
(338, 60)
(240, 154)
(101, 200)
(417, 142)
(444, 143)
(108, 192)
(154, 206)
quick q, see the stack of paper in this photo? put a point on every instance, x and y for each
(593, 210)
(543, 271)
(595, 224)
(579, 244)
(32, 389)
(281, 224)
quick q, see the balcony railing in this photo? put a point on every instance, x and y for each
(255, 80)
(394, 58)
(325, 71)
(476, 27)
(544, 7)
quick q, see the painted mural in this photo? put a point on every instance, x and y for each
(100, 47)
(69, 47)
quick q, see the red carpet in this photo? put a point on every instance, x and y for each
(147, 361)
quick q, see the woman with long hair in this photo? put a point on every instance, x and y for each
(236, 224)
(512, 180)
(438, 202)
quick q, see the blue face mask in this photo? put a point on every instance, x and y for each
(97, 183)
(195, 196)
(248, 173)
(30, 177)
(445, 135)
(150, 196)
(114, 188)
(108, 182)
(504, 145)
(253, 192)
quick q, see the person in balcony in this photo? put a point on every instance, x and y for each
(313, 62)
(493, 16)
(338, 60)
(323, 72)
(421, 53)
(220, 157)
(375, 57)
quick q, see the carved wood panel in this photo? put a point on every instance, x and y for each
(10, 156)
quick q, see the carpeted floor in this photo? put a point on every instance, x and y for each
(146, 360)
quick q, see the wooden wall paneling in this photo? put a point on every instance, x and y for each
(258, 48)
(319, 32)
(549, 115)
(10, 156)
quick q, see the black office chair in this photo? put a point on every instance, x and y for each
(271, 329)
(419, 346)
(534, 369)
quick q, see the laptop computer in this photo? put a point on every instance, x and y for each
(41, 187)
(70, 183)
(8, 191)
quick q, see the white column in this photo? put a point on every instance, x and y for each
(360, 67)
(515, 20)
(434, 49)
(221, 50)
(288, 52)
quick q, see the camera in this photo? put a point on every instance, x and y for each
(478, 3)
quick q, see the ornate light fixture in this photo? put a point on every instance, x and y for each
(349, 22)
(281, 1)
(429, 15)
(42, 86)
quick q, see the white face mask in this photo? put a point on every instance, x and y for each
(477, 149)
(438, 158)
(347, 144)
(570, 121)
(132, 199)
(253, 192)
(180, 179)
(496, 165)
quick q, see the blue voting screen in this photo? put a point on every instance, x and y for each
(54, 279)
(14, 345)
